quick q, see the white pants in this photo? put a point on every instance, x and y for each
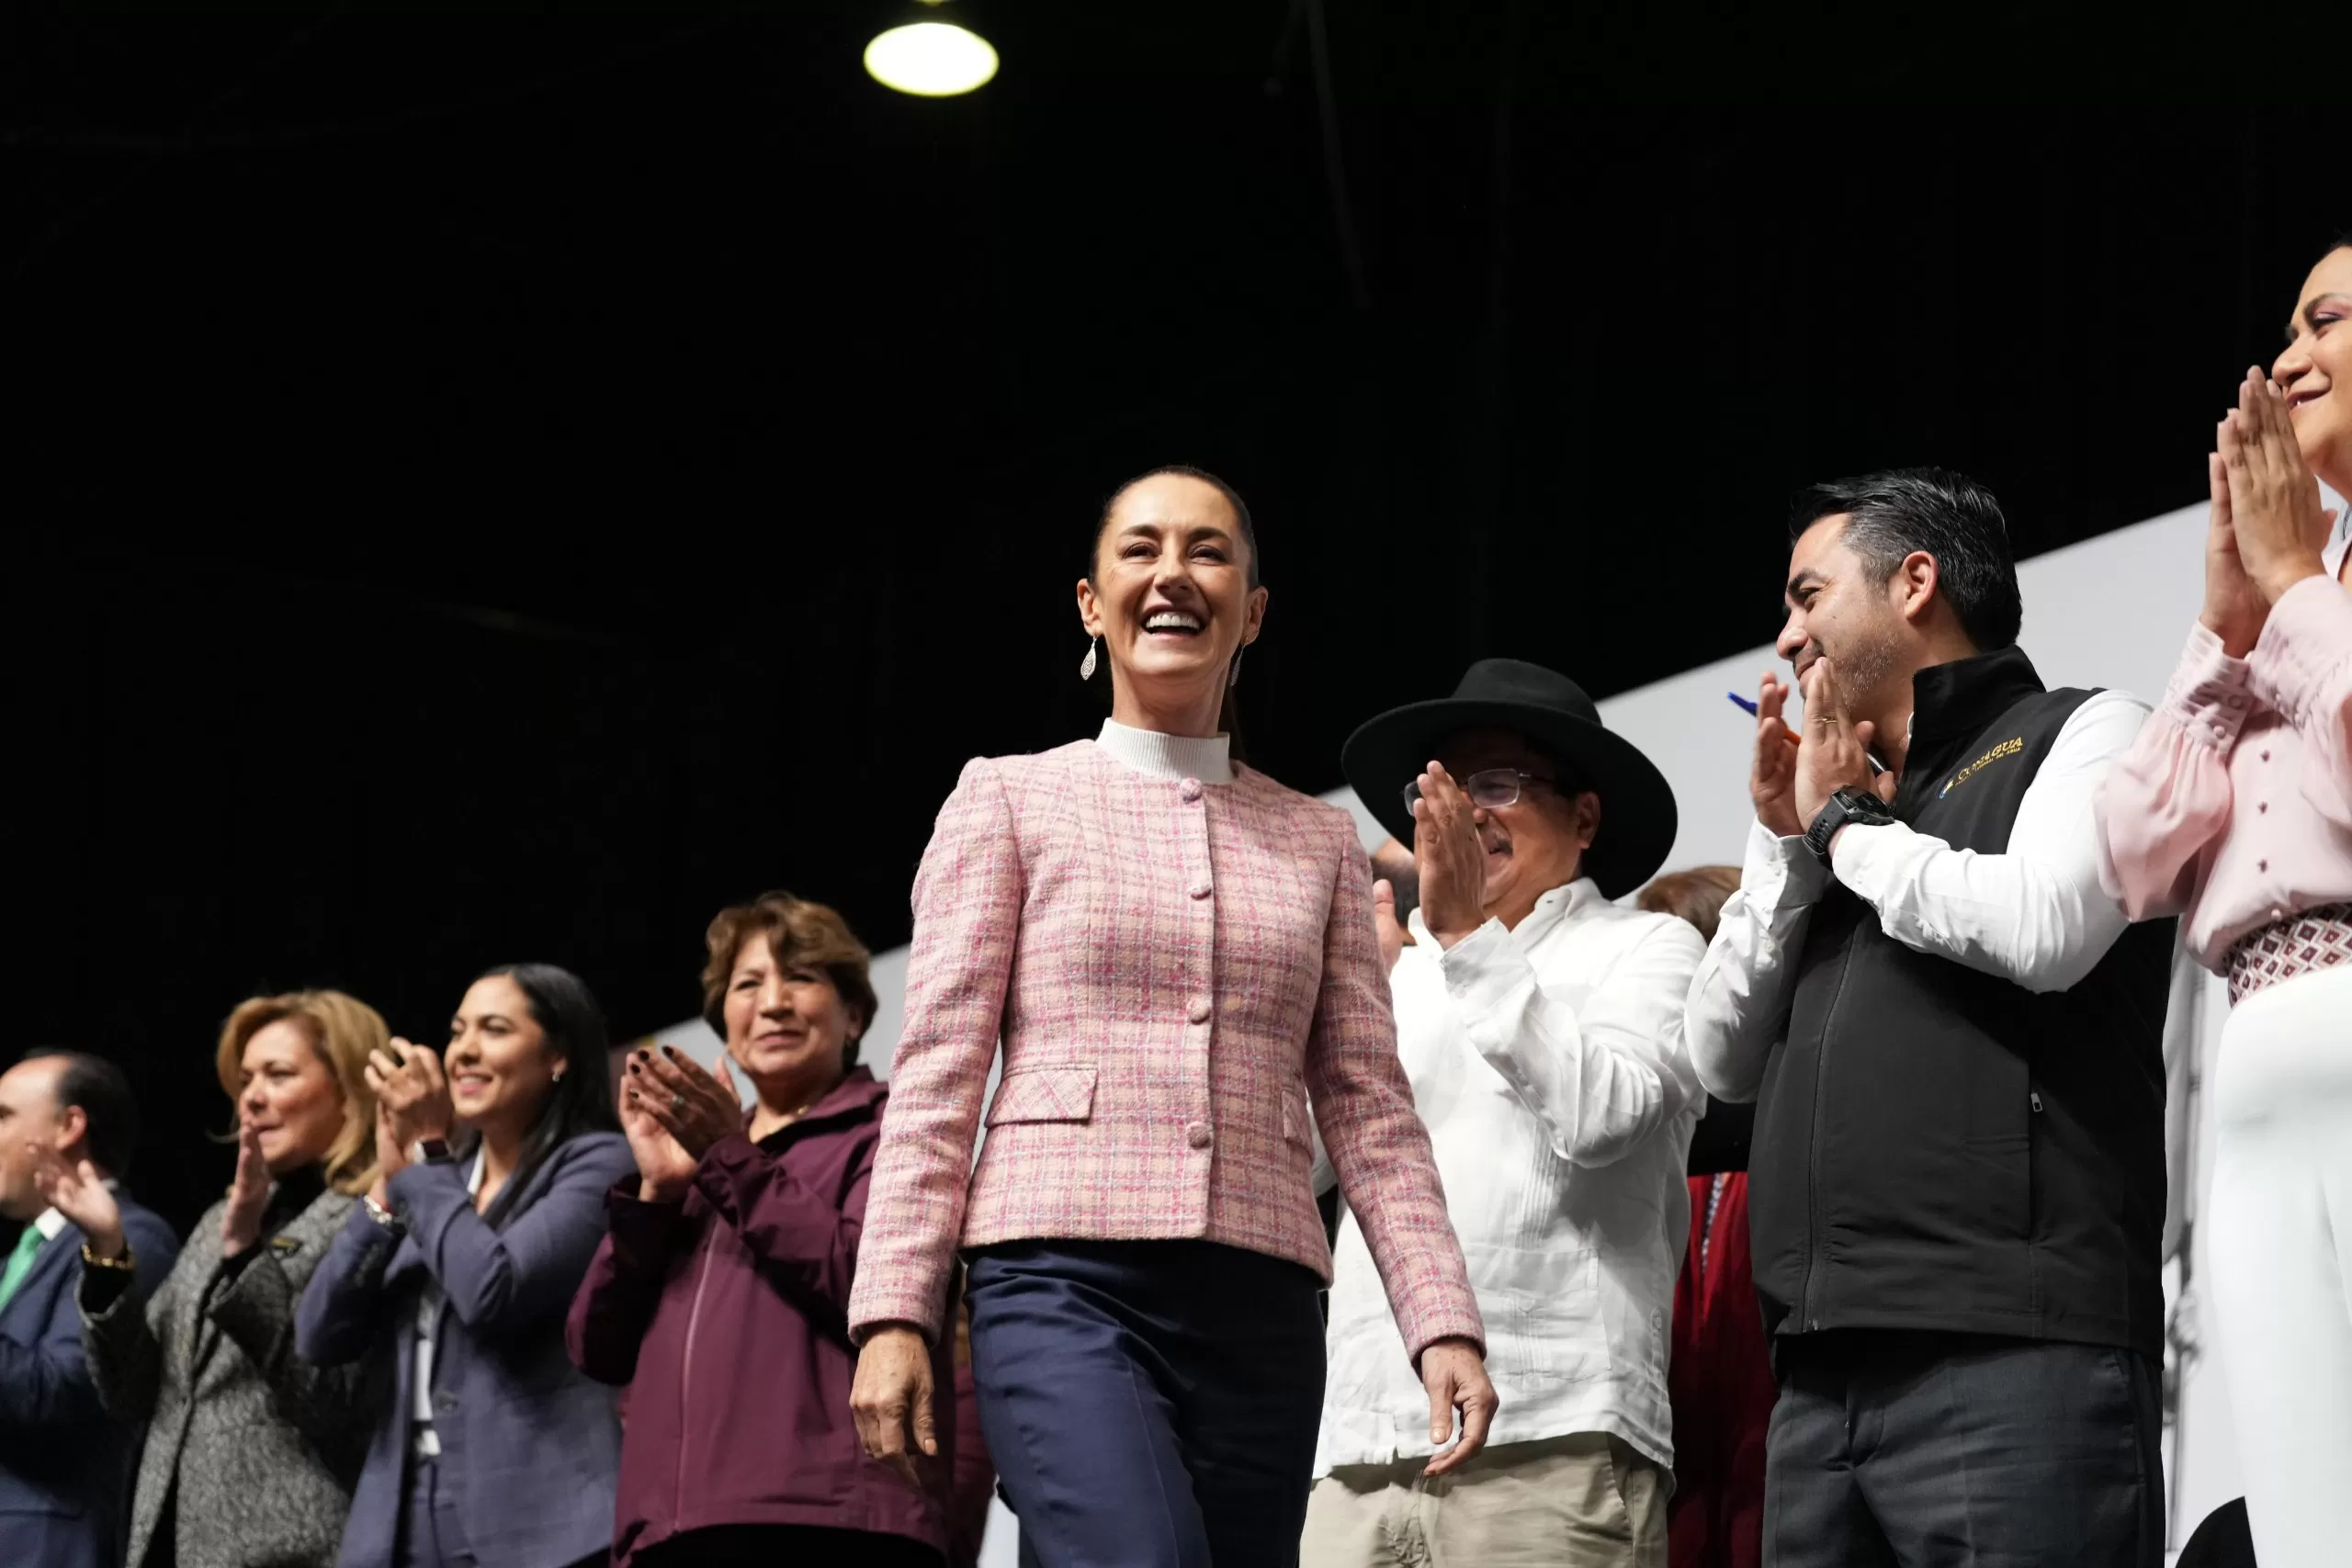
(2281, 1254)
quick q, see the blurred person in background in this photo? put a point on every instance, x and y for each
(720, 1298)
(492, 1159)
(251, 1451)
(1721, 1373)
(1541, 1027)
(2233, 809)
(64, 1464)
(1173, 952)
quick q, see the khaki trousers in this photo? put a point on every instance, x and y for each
(1586, 1500)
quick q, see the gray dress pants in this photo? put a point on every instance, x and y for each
(1934, 1451)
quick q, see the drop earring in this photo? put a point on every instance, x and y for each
(1233, 676)
(1086, 665)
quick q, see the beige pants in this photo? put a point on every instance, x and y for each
(1583, 1501)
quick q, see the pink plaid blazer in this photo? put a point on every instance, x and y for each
(1174, 968)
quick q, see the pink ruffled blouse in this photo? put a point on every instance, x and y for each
(2233, 807)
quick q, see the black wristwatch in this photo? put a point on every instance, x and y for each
(1848, 806)
(431, 1151)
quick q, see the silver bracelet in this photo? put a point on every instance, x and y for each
(384, 1216)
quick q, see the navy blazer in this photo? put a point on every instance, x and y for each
(64, 1465)
(529, 1447)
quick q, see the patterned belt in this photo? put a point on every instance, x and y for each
(2317, 938)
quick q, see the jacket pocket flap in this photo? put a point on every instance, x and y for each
(1044, 1094)
(1297, 1119)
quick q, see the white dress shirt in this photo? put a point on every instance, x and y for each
(2034, 914)
(1547, 1062)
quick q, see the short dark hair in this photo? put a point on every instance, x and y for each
(1949, 517)
(581, 1101)
(103, 1091)
(1180, 471)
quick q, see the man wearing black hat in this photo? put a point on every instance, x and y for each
(1956, 1183)
(1542, 1027)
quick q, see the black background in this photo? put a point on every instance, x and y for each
(501, 481)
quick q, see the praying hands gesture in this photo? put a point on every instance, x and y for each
(2265, 514)
(1450, 858)
(1836, 751)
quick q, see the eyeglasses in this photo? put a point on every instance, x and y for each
(1492, 788)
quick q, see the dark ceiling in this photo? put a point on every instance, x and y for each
(501, 481)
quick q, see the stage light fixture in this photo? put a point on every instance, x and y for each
(931, 58)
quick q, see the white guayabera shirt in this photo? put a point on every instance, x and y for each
(1548, 1063)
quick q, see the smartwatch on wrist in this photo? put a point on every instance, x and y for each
(1845, 806)
(431, 1151)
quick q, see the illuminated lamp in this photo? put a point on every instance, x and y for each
(931, 58)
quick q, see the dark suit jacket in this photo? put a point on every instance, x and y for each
(529, 1447)
(65, 1466)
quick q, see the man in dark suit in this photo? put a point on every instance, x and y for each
(63, 1462)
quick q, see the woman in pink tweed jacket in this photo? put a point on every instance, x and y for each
(1177, 953)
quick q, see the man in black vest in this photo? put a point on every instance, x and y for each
(1952, 1038)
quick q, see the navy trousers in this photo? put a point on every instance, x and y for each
(1149, 1403)
(1927, 1451)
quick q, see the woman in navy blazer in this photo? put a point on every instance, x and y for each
(493, 1448)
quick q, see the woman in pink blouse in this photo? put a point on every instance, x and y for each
(1176, 952)
(2234, 809)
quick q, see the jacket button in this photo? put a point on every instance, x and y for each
(1190, 790)
(1200, 1013)
(2264, 865)
(2266, 753)
(2261, 807)
(1197, 1134)
(1199, 890)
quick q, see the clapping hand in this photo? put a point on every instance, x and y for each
(248, 1195)
(2279, 527)
(663, 1167)
(75, 1189)
(1771, 780)
(412, 1097)
(694, 1107)
(1836, 751)
(1451, 862)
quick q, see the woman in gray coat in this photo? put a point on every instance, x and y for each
(251, 1452)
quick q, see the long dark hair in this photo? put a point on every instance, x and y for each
(581, 1101)
(1228, 717)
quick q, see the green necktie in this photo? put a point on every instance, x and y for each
(20, 1263)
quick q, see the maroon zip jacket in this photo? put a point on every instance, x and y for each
(726, 1316)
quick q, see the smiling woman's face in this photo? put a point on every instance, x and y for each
(1170, 595)
(500, 1062)
(787, 1024)
(2315, 371)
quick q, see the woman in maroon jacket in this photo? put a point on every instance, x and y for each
(720, 1294)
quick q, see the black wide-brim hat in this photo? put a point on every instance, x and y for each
(1637, 814)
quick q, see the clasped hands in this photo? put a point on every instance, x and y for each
(2267, 528)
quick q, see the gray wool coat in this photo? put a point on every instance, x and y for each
(265, 1448)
